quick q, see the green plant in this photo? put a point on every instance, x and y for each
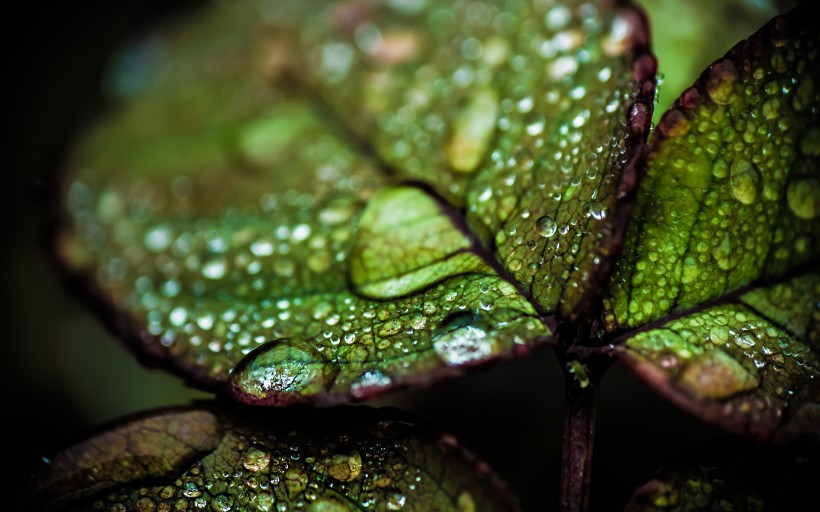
(435, 218)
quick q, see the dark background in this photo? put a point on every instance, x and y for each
(63, 373)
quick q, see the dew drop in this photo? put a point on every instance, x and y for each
(462, 339)
(214, 268)
(534, 123)
(546, 226)
(720, 80)
(255, 459)
(745, 181)
(280, 372)
(803, 197)
(367, 381)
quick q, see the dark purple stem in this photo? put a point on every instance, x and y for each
(579, 437)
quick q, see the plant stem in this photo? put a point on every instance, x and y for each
(579, 436)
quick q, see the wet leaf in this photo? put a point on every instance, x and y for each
(219, 458)
(238, 230)
(749, 363)
(525, 114)
(715, 214)
(732, 182)
(253, 250)
(729, 475)
(688, 36)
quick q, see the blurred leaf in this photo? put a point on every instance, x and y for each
(219, 458)
(729, 475)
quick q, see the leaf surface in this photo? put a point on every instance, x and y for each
(732, 181)
(525, 114)
(729, 475)
(259, 251)
(729, 200)
(223, 459)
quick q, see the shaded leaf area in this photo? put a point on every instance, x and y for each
(749, 364)
(523, 113)
(219, 458)
(732, 188)
(216, 211)
(728, 474)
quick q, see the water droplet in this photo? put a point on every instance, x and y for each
(546, 226)
(395, 501)
(810, 144)
(178, 316)
(158, 238)
(803, 197)
(563, 67)
(367, 381)
(745, 181)
(472, 130)
(389, 328)
(280, 372)
(534, 123)
(255, 459)
(461, 339)
(345, 467)
(325, 504)
(465, 502)
(720, 80)
(557, 18)
(205, 321)
(523, 159)
(262, 247)
(214, 268)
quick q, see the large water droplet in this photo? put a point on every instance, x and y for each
(255, 459)
(280, 372)
(745, 181)
(344, 467)
(462, 338)
(369, 381)
(803, 197)
(472, 130)
(720, 79)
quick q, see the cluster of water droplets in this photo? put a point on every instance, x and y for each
(286, 472)
(727, 351)
(732, 192)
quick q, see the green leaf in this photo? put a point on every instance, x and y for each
(688, 36)
(726, 475)
(217, 458)
(405, 242)
(728, 200)
(749, 363)
(732, 182)
(525, 114)
(261, 267)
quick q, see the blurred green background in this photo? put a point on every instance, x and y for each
(63, 373)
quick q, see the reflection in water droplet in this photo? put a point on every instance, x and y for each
(279, 372)
(546, 226)
(461, 338)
